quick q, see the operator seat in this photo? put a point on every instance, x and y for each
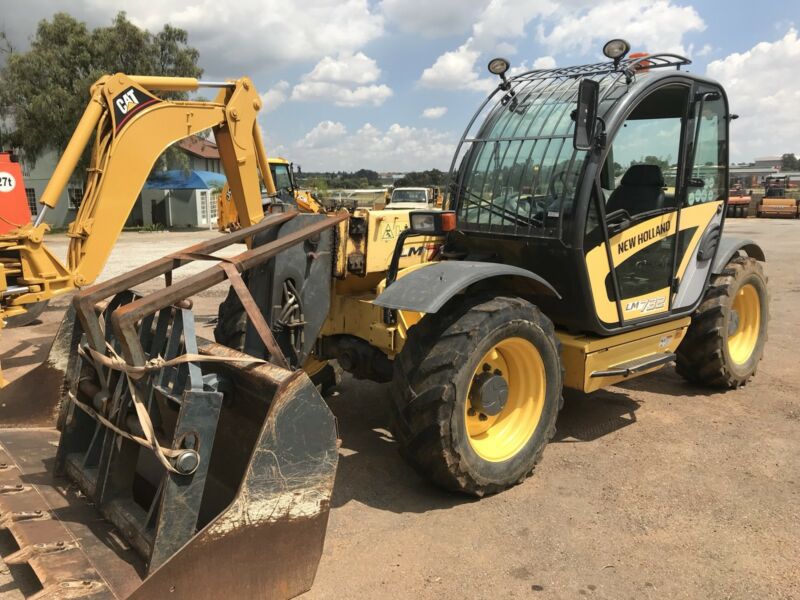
(641, 190)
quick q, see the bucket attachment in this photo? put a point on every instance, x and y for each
(185, 469)
(33, 400)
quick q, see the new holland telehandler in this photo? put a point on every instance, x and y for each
(187, 468)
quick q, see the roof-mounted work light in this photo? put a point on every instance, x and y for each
(499, 66)
(616, 49)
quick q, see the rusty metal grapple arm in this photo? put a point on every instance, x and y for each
(241, 505)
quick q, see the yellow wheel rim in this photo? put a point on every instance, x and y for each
(312, 366)
(498, 437)
(745, 324)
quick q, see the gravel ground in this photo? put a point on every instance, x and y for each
(651, 489)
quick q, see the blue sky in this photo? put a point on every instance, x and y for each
(347, 82)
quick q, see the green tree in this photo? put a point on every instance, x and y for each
(44, 91)
(790, 162)
(371, 177)
(422, 178)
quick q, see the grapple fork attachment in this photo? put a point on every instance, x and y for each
(213, 469)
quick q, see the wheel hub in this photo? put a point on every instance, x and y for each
(733, 322)
(488, 393)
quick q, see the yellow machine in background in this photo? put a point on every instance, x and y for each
(287, 192)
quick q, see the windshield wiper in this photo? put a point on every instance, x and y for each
(498, 210)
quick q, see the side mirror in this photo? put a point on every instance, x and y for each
(586, 115)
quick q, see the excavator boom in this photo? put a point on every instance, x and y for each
(129, 127)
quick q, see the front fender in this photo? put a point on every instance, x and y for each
(429, 288)
(730, 246)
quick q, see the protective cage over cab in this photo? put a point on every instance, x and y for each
(615, 221)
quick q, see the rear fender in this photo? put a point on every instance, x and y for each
(429, 288)
(730, 247)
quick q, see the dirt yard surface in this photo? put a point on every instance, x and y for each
(651, 489)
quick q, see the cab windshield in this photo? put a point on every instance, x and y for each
(520, 171)
(409, 196)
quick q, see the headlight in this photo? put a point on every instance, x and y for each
(433, 222)
(423, 222)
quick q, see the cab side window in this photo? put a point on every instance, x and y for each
(707, 181)
(643, 162)
(280, 175)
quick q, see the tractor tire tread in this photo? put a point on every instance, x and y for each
(423, 387)
(700, 357)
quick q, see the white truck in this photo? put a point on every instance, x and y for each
(404, 198)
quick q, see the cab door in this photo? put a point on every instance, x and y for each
(702, 207)
(631, 247)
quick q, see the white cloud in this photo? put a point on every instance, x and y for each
(257, 36)
(649, 25)
(569, 25)
(434, 112)
(275, 96)
(500, 22)
(340, 95)
(342, 80)
(346, 68)
(323, 135)
(764, 90)
(432, 19)
(328, 147)
(544, 62)
(506, 19)
(455, 70)
(704, 51)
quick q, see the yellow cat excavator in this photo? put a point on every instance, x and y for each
(123, 151)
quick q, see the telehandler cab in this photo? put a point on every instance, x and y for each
(287, 192)
(562, 259)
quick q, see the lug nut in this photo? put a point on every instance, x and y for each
(471, 412)
(487, 367)
(482, 417)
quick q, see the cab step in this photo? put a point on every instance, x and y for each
(638, 365)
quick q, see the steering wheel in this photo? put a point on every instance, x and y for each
(618, 215)
(559, 177)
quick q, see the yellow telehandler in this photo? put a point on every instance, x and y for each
(191, 468)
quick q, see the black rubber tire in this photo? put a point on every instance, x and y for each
(702, 356)
(33, 312)
(231, 329)
(432, 375)
(231, 324)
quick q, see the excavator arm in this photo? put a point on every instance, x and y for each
(129, 127)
